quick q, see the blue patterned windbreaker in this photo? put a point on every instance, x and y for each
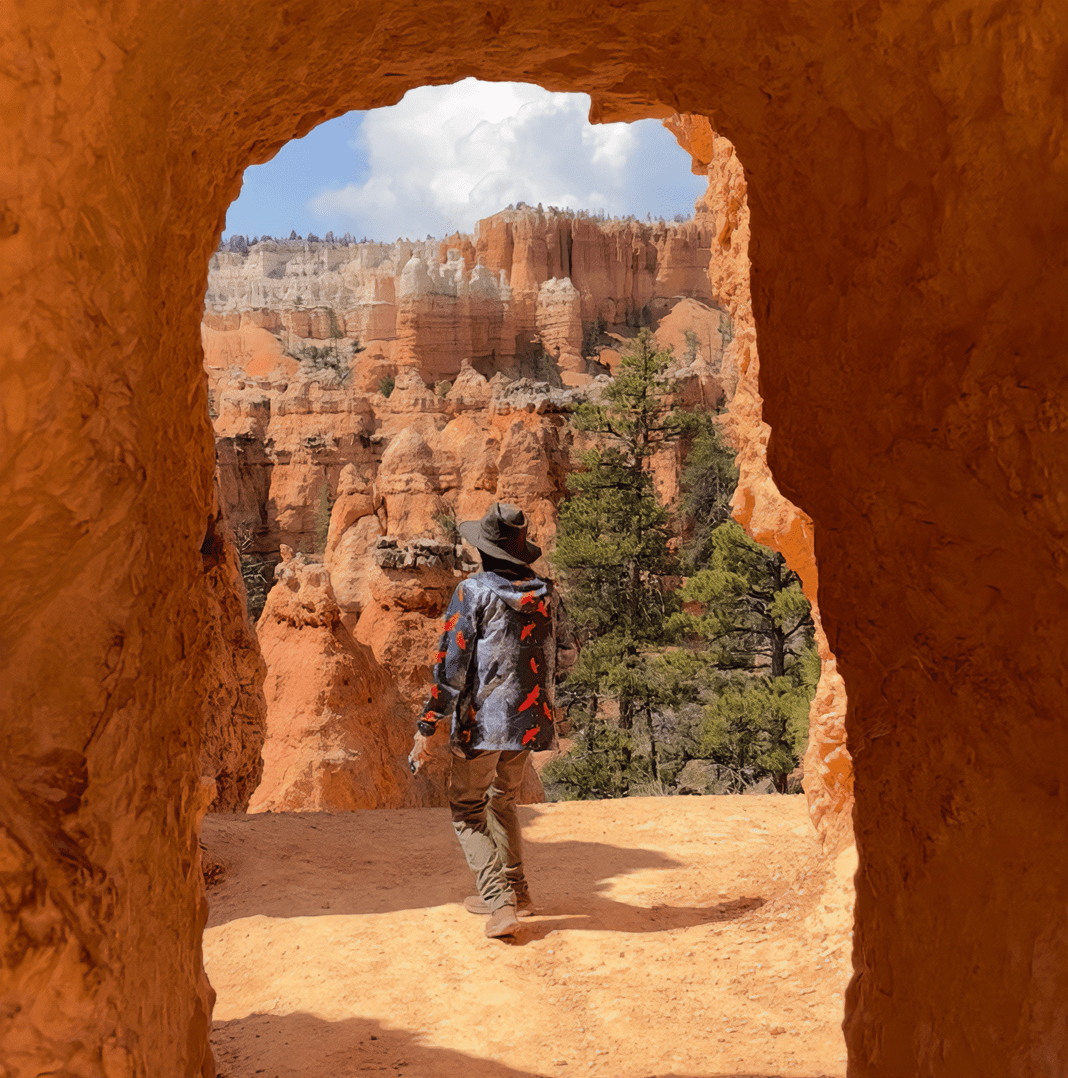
(496, 664)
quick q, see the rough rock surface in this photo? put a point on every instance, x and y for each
(336, 735)
(235, 710)
(758, 505)
(907, 187)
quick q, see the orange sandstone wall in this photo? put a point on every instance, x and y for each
(907, 191)
(758, 505)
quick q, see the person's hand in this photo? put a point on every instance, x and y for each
(424, 749)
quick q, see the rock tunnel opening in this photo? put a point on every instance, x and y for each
(916, 419)
(430, 325)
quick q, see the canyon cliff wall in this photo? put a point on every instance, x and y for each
(528, 281)
(907, 187)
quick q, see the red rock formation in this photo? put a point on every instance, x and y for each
(558, 321)
(907, 188)
(435, 305)
(406, 460)
(447, 314)
(336, 735)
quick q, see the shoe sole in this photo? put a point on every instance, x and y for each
(482, 910)
(504, 929)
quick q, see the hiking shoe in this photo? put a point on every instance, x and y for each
(502, 922)
(524, 907)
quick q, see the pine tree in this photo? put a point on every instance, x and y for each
(708, 480)
(759, 726)
(755, 616)
(729, 679)
(613, 549)
(749, 628)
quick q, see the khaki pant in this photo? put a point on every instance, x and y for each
(482, 795)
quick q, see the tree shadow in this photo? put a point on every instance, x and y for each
(599, 914)
(315, 864)
(302, 1045)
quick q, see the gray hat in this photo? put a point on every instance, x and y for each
(502, 533)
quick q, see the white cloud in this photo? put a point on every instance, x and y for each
(445, 156)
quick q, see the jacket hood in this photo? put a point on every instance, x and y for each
(514, 592)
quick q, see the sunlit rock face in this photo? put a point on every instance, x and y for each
(336, 735)
(906, 185)
(420, 457)
(528, 280)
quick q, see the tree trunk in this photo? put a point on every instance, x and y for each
(778, 637)
(652, 744)
(626, 713)
(635, 581)
(778, 652)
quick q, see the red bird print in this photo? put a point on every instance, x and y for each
(434, 691)
(529, 701)
(451, 623)
(531, 734)
(528, 598)
(548, 713)
(461, 643)
(440, 657)
(533, 665)
(526, 631)
(542, 610)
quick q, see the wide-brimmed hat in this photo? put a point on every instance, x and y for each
(502, 533)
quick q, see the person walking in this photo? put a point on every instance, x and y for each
(504, 642)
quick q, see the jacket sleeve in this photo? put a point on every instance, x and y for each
(452, 658)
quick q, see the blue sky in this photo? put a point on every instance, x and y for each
(445, 156)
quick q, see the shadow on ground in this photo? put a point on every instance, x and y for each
(301, 1045)
(598, 914)
(309, 865)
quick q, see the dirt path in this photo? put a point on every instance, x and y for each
(684, 936)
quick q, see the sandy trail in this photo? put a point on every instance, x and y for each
(683, 936)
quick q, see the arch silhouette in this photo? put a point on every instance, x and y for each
(907, 192)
